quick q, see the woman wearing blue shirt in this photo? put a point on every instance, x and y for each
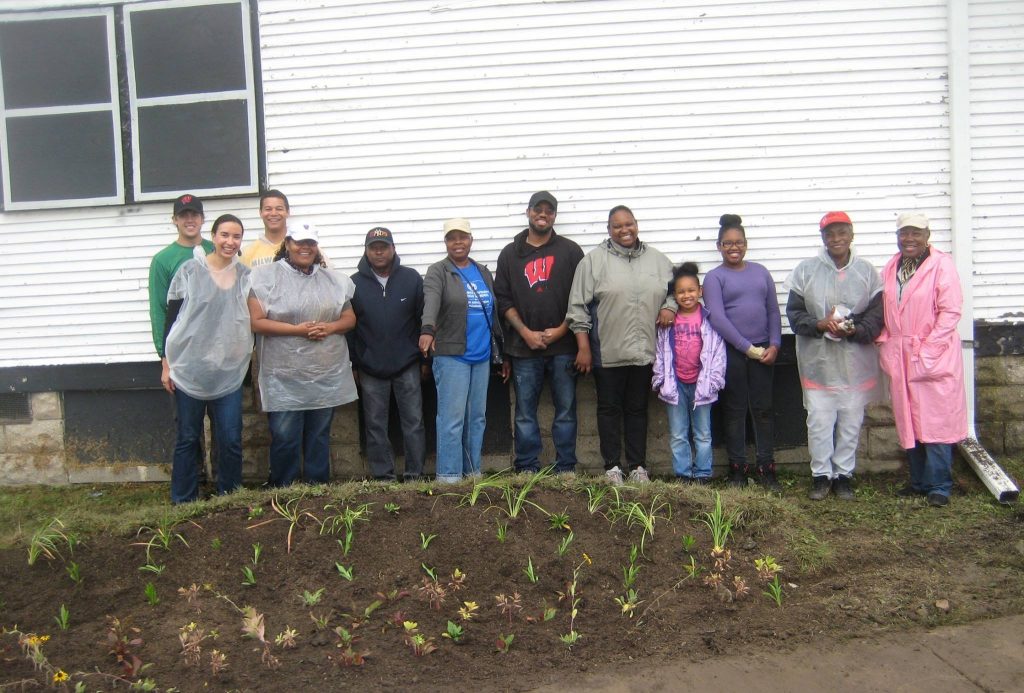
(458, 320)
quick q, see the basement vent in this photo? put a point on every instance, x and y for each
(15, 407)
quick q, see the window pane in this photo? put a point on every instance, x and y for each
(194, 146)
(188, 50)
(62, 157)
(55, 62)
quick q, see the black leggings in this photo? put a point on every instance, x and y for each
(748, 386)
(622, 414)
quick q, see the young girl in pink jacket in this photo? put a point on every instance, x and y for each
(689, 370)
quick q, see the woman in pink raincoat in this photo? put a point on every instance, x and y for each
(920, 352)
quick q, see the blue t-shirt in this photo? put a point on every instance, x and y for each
(478, 335)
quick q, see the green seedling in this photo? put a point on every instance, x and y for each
(570, 638)
(688, 541)
(392, 508)
(595, 497)
(311, 598)
(345, 571)
(63, 617)
(559, 521)
(255, 512)
(425, 540)
(468, 610)
(629, 575)
(288, 512)
(248, 577)
(549, 613)
(347, 518)
(481, 487)
(767, 568)
(160, 537)
(629, 602)
(151, 595)
(454, 632)
(215, 543)
(563, 545)
(692, 569)
(774, 591)
(573, 597)
(321, 620)
(429, 571)
(257, 551)
(516, 501)
(502, 532)
(719, 523)
(530, 572)
(346, 542)
(73, 572)
(150, 568)
(636, 514)
(286, 638)
(504, 643)
(44, 542)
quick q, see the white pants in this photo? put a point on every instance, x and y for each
(832, 437)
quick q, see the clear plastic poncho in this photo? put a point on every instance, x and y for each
(836, 374)
(295, 373)
(210, 343)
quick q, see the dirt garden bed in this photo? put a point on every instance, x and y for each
(179, 612)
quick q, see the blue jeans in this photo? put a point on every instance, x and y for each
(300, 437)
(461, 416)
(226, 416)
(528, 377)
(682, 418)
(931, 468)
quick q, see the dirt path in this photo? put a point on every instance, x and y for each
(983, 656)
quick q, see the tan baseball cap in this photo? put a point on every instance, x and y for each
(457, 224)
(916, 219)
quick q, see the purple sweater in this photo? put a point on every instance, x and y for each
(743, 305)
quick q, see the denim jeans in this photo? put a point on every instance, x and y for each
(376, 402)
(461, 416)
(682, 418)
(528, 376)
(622, 393)
(748, 387)
(931, 468)
(226, 414)
(300, 440)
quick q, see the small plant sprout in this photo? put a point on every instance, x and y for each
(516, 501)
(124, 641)
(530, 572)
(190, 593)
(573, 597)
(288, 512)
(713, 580)
(559, 521)
(160, 537)
(191, 637)
(45, 540)
(151, 568)
(218, 660)
(255, 512)
(767, 568)
(740, 588)
(467, 611)
(63, 617)
(720, 524)
(254, 627)
(548, 614)
(345, 571)
(692, 569)
(688, 541)
(509, 605)
(286, 638)
(454, 632)
(248, 577)
(311, 598)
(74, 572)
(629, 602)
(595, 497)
(348, 657)
(629, 574)
(502, 531)
(429, 571)
(151, 595)
(433, 592)
(563, 545)
(320, 620)
(636, 514)
(774, 591)
(425, 540)
(392, 508)
(458, 580)
(257, 551)
(504, 643)
(481, 487)
(215, 543)
(419, 643)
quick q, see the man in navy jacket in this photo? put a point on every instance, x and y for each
(388, 303)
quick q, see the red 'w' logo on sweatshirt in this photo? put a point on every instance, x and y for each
(539, 270)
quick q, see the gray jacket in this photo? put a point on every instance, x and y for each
(445, 306)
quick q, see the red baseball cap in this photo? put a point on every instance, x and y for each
(834, 218)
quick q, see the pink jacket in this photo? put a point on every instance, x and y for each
(920, 352)
(711, 378)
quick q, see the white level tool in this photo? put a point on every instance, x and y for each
(990, 473)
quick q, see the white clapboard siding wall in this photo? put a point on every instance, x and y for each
(997, 162)
(406, 112)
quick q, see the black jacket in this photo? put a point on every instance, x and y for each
(385, 339)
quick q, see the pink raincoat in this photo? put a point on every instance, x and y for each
(920, 352)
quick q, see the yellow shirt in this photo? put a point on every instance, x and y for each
(259, 252)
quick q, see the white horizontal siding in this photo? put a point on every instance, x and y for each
(406, 112)
(996, 36)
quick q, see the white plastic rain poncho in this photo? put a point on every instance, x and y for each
(836, 374)
(209, 346)
(295, 373)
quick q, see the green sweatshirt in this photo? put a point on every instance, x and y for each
(161, 271)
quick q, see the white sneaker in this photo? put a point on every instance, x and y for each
(638, 476)
(614, 476)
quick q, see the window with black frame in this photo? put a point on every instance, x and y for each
(189, 98)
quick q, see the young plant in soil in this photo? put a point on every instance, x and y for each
(467, 611)
(564, 544)
(151, 595)
(595, 497)
(254, 627)
(321, 620)
(504, 643)
(348, 657)
(559, 521)
(629, 602)
(191, 637)
(425, 540)
(502, 531)
(286, 638)
(509, 605)
(248, 577)
(44, 542)
(481, 487)
(530, 571)
(420, 644)
(160, 537)
(573, 597)
(288, 512)
(257, 551)
(636, 514)
(688, 541)
(345, 571)
(454, 632)
(74, 572)
(124, 641)
(63, 617)
(516, 501)
(190, 593)
(392, 508)
(774, 591)
(311, 598)
(631, 571)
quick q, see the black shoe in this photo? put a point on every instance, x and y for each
(937, 500)
(908, 491)
(737, 476)
(820, 490)
(702, 480)
(841, 487)
(766, 477)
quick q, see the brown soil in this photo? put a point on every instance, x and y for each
(874, 583)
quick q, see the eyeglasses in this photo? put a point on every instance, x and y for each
(732, 244)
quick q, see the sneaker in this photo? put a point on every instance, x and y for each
(908, 491)
(841, 487)
(638, 476)
(938, 500)
(737, 476)
(702, 480)
(614, 476)
(766, 477)
(820, 489)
